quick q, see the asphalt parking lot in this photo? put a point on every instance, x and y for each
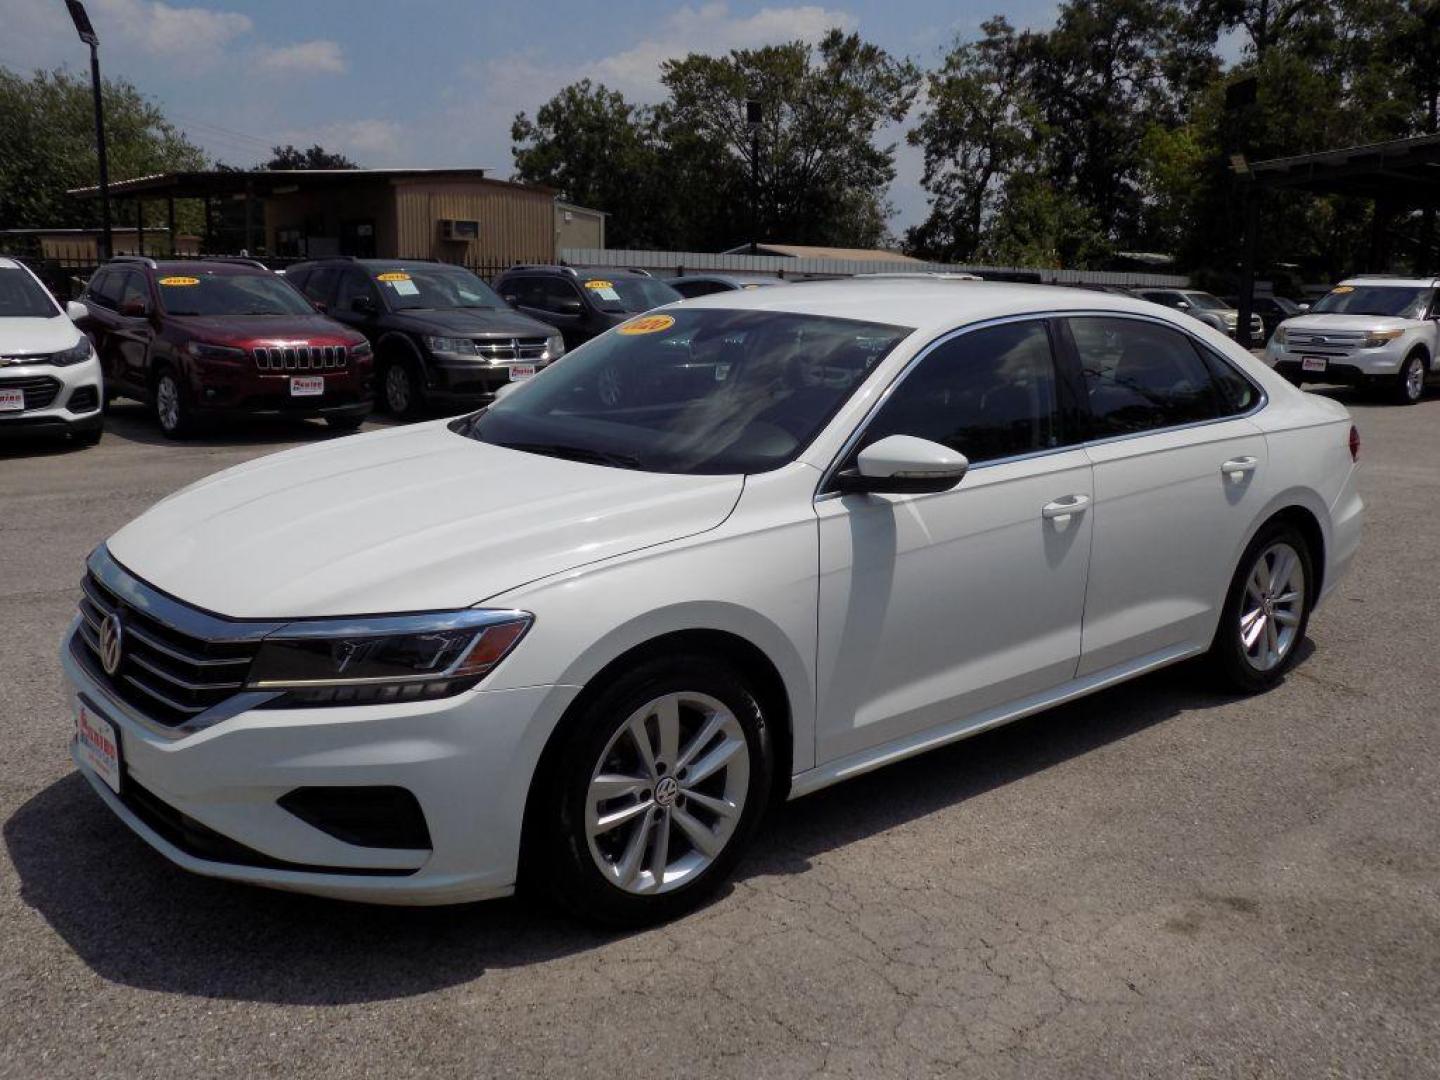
(1157, 881)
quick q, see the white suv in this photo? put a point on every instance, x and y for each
(50, 379)
(1365, 331)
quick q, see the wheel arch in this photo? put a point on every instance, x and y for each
(1296, 510)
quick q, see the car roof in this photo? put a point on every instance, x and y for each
(924, 304)
(575, 271)
(1383, 279)
(181, 266)
(732, 279)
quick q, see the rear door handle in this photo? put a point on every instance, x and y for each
(1237, 467)
(1070, 504)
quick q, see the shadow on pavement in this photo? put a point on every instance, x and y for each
(137, 920)
(132, 422)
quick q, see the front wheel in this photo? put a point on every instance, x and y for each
(1266, 611)
(404, 397)
(654, 793)
(1410, 382)
(172, 410)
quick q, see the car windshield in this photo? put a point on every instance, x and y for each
(409, 287)
(705, 391)
(207, 293)
(22, 297)
(1401, 301)
(630, 295)
(1205, 302)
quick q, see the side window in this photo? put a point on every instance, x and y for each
(1142, 377)
(524, 291)
(353, 283)
(1237, 393)
(134, 288)
(560, 297)
(102, 288)
(988, 394)
(698, 288)
(319, 284)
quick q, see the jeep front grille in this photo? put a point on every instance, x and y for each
(299, 357)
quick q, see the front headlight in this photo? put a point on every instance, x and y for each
(201, 350)
(76, 354)
(361, 351)
(1280, 334)
(1375, 338)
(554, 347)
(455, 346)
(385, 659)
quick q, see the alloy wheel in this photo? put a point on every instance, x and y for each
(167, 402)
(1274, 603)
(1414, 378)
(397, 388)
(668, 793)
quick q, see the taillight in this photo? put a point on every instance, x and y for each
(1354, 443)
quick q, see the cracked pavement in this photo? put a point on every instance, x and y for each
(1157, 881)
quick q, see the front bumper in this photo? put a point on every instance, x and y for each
(58, 399)
(218, 387)
(1352, 366)
(468, 761)
(465, 380)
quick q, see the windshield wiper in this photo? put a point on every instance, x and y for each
(576, 453)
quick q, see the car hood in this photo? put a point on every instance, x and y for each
(1322, 322)
(410, 519)
(26, 337)
(243, 330)
(469, 322)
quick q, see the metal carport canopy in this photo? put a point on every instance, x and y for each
(1400, 172)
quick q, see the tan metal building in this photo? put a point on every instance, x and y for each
(456, 215)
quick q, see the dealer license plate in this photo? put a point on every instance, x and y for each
(521, 372)
(99, 745)
(1312, 363)
(307, 385)
(12, 400)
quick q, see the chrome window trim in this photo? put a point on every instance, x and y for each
(1040, 316)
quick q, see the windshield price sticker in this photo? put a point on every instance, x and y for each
(649, 324)
(179, 281)
(393, 276)
(1343, 289)
(598, 284)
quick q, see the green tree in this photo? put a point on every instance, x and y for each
(822, 178)
(313, 157)
(979, 126)
(47, 146)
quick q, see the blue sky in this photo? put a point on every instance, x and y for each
(436, 82)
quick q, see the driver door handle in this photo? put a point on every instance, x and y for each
(1061, 508)
(1237, 467)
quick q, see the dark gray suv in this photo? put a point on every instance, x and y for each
(442, 337)
(582, 302)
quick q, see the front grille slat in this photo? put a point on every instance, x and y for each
(39, 390)
(166, 673)
(300, 357)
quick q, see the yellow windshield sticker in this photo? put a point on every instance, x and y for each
(648, 324)
(179, 281)
(393, 275)
(599, 284)
(1343, 289)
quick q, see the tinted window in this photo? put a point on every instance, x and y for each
(353, 284)
(629, 294)
(524, 291)
(688, 289)
(703, 391)
(988, 394)
(1139, 376)
(1237, 393)
(105, 288)
(133, 289)
(203, 292)
(1402, 301)
(318, 284)
(22, 296)
(433, 286)
(558, 296)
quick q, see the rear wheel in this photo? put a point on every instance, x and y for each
(654, 793)
(1410, 382)
(1266, 611)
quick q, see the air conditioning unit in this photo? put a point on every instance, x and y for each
(451, 229)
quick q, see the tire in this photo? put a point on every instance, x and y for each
(1410, 380)
(401, 389)
(344, 423)
(609, 875)
(171, 404)
(88, 438)
(1261, 665)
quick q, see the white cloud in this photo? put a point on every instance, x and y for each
(319, 57)
(183, 34)
(372, 142)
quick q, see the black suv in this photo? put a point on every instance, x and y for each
(582, 302)
(441, 335)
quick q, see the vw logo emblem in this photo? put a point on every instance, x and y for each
(112, 642)
(666, 791)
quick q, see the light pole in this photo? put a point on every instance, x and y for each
(89, 37)
(754, 115)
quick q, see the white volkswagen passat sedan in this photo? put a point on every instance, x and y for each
(729, 552)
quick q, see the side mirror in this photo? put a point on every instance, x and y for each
(1183, 305)
(510, 298)
(362, 305)
(903, 465)
(1303, 308)
(318, 305)
(76, 310)
(571, 306)
(134, 309)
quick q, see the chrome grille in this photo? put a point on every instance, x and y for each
(299, 357)
(167, 675)
(39, 390)
(1324, 342)
(503, 350)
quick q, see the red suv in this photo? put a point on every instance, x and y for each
(200, 336)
